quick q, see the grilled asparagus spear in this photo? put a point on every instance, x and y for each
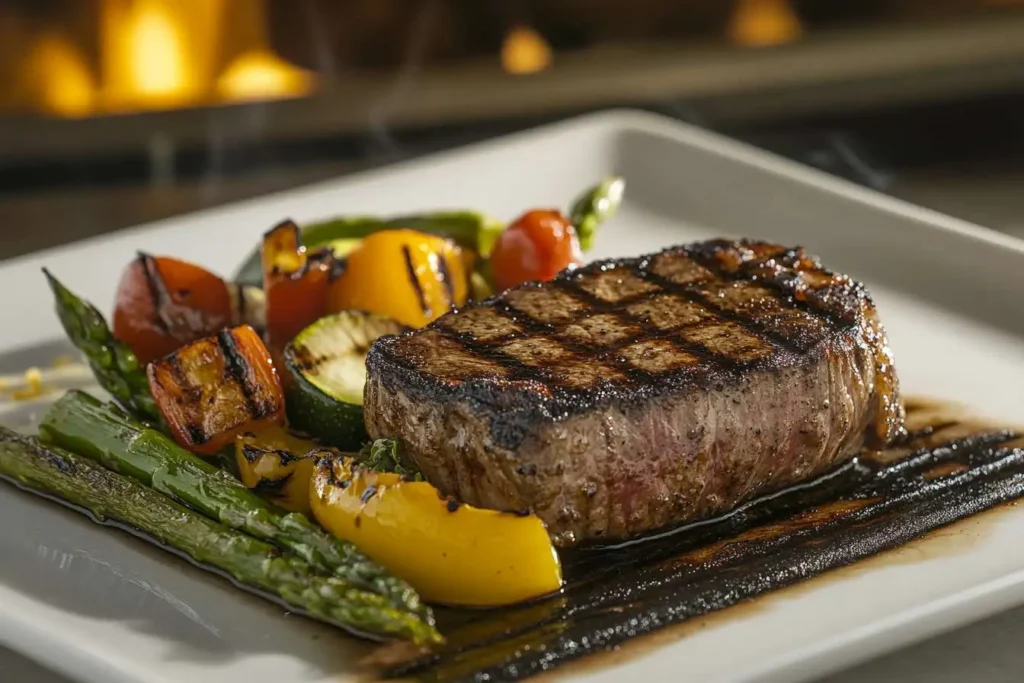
(107, 495)
(594, 207)
(115, 366)
(81, 424)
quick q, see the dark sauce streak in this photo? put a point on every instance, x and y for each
(410, 271)
(928, 430)
(616, 593)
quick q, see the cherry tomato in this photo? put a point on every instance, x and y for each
(536, 246)
(163, 304)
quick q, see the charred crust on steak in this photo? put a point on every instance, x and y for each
(620, 331)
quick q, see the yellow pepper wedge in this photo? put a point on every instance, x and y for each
(451, 554)
(278, 464)
(406, 275)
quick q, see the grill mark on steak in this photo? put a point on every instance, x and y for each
(769, 265)
(750, 324)
(647, 285)
(625, 319)
(564, 400)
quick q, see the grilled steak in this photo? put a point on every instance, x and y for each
(633, 394)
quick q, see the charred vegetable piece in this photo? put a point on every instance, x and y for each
(116, 367)
(110, 496)
(164, 303)
(326, 370)
(594, 207)
(213, 389)
(453, 554)
(80, 423)
(471, 230)
(295, 284)
(252, 306)
(278, 464)
(534, 247)
(410, 276)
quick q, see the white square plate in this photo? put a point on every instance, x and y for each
(100, 606)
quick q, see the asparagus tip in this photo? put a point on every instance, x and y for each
(53, 281)
(616, 187)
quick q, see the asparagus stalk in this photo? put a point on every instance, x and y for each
(594, 207)
(107, 495)
(81, 424)
(114, 364)
(469, 228)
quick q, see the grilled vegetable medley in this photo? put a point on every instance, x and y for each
(236, 434)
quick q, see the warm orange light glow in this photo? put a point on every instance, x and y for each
(525, 52)
(261, 75)
(146, 54)
(59, 75)
(161, 54)
(760, 23)
(156, 52)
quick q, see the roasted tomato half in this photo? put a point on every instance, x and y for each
(164, 303)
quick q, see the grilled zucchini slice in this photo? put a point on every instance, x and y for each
(326, 370)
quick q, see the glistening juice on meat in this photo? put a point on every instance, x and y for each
(635, 394)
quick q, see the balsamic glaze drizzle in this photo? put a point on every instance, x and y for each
(613, 594)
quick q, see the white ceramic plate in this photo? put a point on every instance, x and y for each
(100, 606)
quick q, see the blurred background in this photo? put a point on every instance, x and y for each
(116, 112)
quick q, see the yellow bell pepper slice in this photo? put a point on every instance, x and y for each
(278, 464)
(406, 275)
(451, 554)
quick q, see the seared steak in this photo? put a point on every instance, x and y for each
(633, 394)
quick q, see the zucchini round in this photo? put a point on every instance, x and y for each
(325, 368)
